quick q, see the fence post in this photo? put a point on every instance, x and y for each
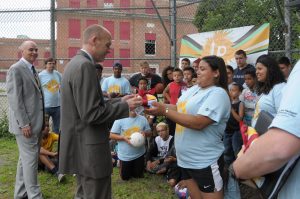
(287, 19)
(173, 33)
(52, 29)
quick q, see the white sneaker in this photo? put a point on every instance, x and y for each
(61, 177)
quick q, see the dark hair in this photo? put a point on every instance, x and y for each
(177, 70)
(143, 78)
(251, 72)
(164, 75)
(99, 67)
(240, 52)
(217, 63)
(284, 60)
(240, 87)
(189, 68)
(50, 59)
(229, 68)
(187, 60)
(274, 75)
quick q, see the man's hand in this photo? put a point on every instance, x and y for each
(134, 102)
(27, 131)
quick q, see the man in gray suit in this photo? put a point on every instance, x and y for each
(26, 116)
(85, 115)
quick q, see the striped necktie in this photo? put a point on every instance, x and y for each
(35, 75)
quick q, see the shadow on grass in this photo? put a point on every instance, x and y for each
(149, 187)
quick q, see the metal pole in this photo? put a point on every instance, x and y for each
(173, 33)
(52, 29)
(287, 19)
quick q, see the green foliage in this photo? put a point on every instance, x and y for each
(149, 187)
(222, 14)
(4, 133)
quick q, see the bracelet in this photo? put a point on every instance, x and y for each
(167, 110)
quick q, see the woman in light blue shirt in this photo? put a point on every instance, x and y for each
(269, 89)
(201, 114)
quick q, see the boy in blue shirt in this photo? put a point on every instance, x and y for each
(131, 158)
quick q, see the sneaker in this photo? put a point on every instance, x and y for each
(61, 177)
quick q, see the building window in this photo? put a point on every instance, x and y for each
(149, 5)
(91, 3)
(110, 62)
(73, 51)
(125, 53)
(74, 28)
(150, 44)
(91, 22)
(109, 25)
(74, 3)
(124, 31)
(125, 4)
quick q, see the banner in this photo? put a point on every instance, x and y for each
(224, 43)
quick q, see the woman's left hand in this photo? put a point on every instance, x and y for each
(157, 109)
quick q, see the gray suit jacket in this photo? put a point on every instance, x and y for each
(84, 139)
(25, 99)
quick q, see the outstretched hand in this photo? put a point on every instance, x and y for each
(133, 101)
(157, 109)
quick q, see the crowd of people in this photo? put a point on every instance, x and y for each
(197, 143)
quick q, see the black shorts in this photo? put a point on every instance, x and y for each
(209, 179)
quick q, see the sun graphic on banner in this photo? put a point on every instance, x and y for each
(219, 44)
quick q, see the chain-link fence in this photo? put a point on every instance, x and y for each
(140, 31)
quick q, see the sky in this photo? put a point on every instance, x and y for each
(35, 25)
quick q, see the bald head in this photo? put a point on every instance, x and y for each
(97, 42)
(29, 51)
(94, 30)
(25, 44)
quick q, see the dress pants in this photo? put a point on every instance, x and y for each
(27, 169)
(90, 188)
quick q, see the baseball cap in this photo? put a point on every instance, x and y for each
(118, 65)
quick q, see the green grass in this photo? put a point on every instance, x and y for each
(150, 187)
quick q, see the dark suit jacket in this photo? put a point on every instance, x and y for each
(84, 139)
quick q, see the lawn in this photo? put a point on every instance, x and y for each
(150, 187)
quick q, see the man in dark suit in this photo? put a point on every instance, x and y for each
(85, 115)
(26, 116)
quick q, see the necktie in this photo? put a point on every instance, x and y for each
(35, 75)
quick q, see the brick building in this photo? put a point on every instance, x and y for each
(137, 33)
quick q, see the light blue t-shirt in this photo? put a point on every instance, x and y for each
(126, 127)
(269, 103)
(288, 119)
(197, 149)
(50, 83)
(116, 85)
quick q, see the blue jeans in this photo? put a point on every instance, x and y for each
(54, 113)
(233, 144)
